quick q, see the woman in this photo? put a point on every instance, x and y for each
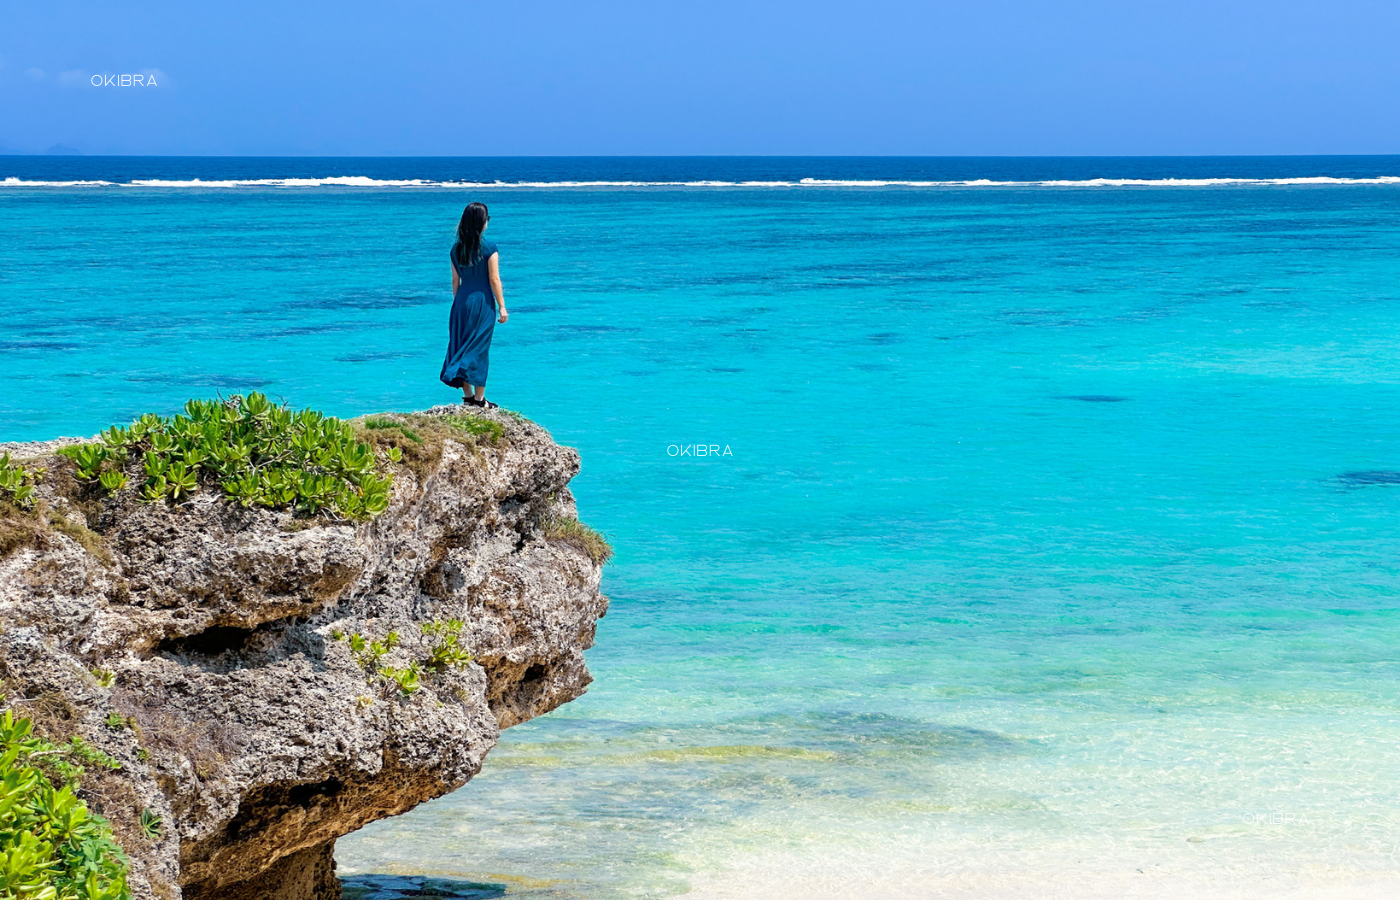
(476, 276)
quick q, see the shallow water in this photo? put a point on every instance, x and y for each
(1054, 555)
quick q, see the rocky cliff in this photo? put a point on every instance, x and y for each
(230, 659)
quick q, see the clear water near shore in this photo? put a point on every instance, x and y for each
(1057, 551)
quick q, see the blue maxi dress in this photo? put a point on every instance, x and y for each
(471, 324)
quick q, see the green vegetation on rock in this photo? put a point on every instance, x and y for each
(51, 846)
(416, 440)
(476, 427)
(572, 531)
(16, 482)
(440, 646)
(247, 449)
(445, 650)
(18, 510)
(255, 452)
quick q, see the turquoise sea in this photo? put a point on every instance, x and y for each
(1055, 553)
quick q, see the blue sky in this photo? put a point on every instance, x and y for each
(539, 77)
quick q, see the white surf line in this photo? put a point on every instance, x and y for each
(362, 181)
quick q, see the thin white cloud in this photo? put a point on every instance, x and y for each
(35, 74)
(73, 77)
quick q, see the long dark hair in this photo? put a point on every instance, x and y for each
(467, 250)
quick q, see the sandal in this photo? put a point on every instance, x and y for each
(487, 404)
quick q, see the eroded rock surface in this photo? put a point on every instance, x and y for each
(237, 715)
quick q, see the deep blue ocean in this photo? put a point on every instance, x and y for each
(1055, 554)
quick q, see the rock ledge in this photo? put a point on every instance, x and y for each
(238, 716)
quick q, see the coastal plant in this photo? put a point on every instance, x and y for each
(90, 756)
(119, 438)
(441, 650)
(151, 824)
(181, 481)
(16, 482)
(406, 678)
(445, 650)
(28, 520)
(114, 721)
(105, 677)
(367, 653)
(253, 451)
(59, 767)
(52, 847)
(88, 457)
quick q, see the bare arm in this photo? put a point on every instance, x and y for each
(493, 268)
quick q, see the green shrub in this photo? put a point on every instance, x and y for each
(445, 650)
(16, 482)
(51, 846)
(367, 653)
(255, 452)
(442, 641)
(406, 678)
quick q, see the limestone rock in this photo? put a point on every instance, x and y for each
(237, 714)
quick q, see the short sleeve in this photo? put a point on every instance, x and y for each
(488, 248)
